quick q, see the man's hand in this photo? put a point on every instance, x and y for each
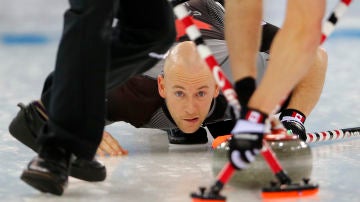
(247, 138)
(110, 146)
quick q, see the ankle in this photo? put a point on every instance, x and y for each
(253, 115)
(292, 115)
(293, 120)
(54, 153)
(244, 89)
(251, 121)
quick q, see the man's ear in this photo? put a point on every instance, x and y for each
(217, 91)
(161, 87)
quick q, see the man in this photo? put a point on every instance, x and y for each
(139, 103)
(74, 96)
(186, 100)
(293, 52)
(208, 16)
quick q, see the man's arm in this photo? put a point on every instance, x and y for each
(134, 102)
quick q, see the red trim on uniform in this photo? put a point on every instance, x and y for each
(181, 28)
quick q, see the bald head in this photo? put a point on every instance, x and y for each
(184, 58)
(187, 86)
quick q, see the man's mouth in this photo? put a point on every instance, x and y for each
(192, 120)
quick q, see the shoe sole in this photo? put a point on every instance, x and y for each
(17, 127)
(90, 175)
(42, 182)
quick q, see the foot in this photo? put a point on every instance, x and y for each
(295, 127)
(293, 120)
(26, 126)
(91, 171)
(48, 172)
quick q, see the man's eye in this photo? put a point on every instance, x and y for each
(179, 94)
(201, 94)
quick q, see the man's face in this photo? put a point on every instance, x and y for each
(188, 95)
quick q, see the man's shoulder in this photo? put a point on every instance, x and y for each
(208, 15)
(135, 101)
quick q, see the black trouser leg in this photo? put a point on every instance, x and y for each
(144, 28)
(76, 106)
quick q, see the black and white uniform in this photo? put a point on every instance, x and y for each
(138, 101)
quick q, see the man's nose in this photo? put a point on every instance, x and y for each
(190, 106)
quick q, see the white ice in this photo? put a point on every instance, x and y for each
(152, 172)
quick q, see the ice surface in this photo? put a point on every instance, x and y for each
(152, 172)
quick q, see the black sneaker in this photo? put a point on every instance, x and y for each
(295, 127)
(26, 126)
(178, 138)
(48, 172)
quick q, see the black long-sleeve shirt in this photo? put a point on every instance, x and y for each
(138, 102)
